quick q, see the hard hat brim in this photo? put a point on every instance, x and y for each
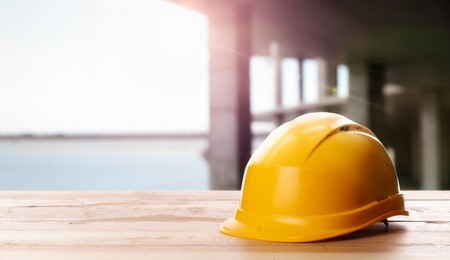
(311, 228)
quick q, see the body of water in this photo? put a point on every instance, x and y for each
(127, 164)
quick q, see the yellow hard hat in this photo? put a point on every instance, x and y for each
(318, 176)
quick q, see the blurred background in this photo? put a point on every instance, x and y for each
(175, 95)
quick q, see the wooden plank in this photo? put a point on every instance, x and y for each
(170, 234)
(170, 225)
(426, 195)
(195, 211)
(131, 196)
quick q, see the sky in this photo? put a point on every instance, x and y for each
(102, 66)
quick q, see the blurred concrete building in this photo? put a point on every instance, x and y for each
(397, 54)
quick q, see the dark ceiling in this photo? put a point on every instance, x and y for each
(399, 33)
(400, 30)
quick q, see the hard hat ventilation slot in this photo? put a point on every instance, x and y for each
(344, 128)
(347, 128)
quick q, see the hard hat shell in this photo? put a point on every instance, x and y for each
(318, 176)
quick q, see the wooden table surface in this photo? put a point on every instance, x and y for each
(184, 225)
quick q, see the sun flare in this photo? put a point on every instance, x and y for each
(103, 66)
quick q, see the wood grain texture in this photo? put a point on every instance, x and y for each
(184, 225)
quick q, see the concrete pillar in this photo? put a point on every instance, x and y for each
(323, 78)
(332, 78)
(357, 107)
(429, 138)
(301, 79)
(230, 136)
(276, 59)
(376, 76)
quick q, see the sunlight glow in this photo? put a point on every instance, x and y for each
(102, 66)
(310, 80)
(290, 78)
(343, 75)
(262, 84)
